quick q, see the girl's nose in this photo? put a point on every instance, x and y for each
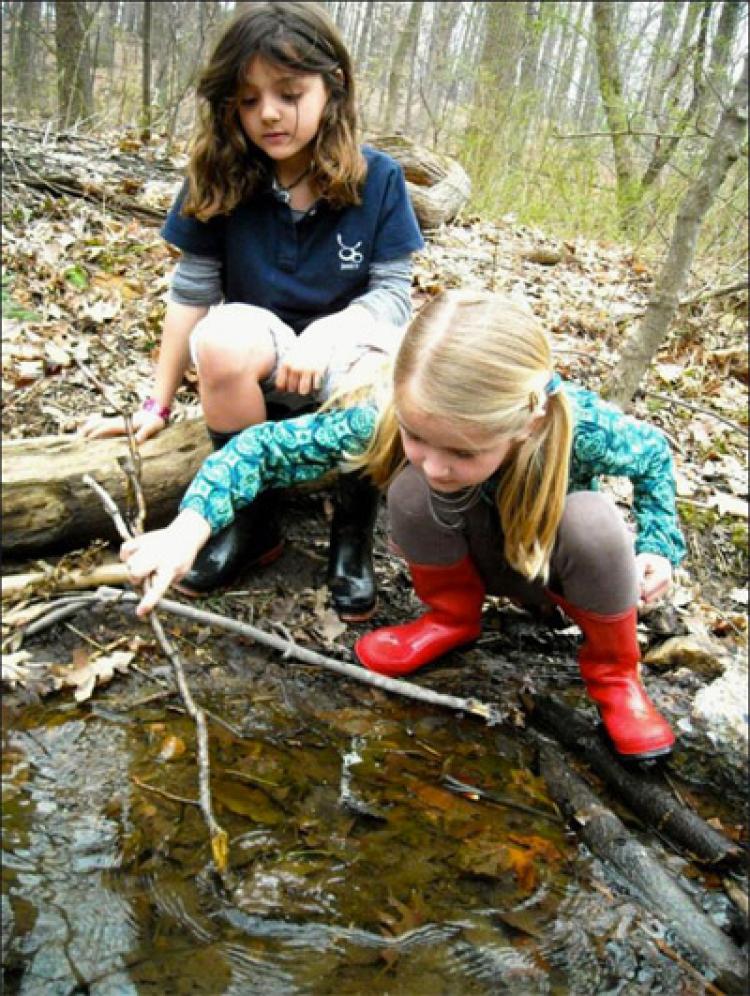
(269, 111)
(435, 467)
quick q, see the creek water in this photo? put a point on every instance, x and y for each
(355, 867)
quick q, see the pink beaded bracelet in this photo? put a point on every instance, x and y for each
(152, 405)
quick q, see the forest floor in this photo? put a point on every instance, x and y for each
(84, 285)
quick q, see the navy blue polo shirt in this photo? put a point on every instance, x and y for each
(314, 267)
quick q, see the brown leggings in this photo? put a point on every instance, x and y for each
(592, 563)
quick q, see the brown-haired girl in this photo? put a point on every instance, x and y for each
(491, 464)
(299, 241)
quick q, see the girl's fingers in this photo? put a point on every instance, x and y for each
(150, 599)
(101, 428)
(281, 377)
(656, 591)
(128, 548)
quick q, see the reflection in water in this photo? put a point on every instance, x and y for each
(69, 927)
(353, 869)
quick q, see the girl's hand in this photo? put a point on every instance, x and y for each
(145, 425)
(304, 365)
(158, 558)
(654, 577)
(306, 362)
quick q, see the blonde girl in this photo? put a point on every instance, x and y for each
(491, 465)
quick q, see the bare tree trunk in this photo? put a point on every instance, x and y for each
(660, 57)
(146, 73)
(447, 86)
(663, 151)
(667, 101)
(398, 65)
(720, 67)
(585, 96)
(23, 56)
(531, 45)
(360, 59)
(73, 62)
(723, 152)
(568, 98)
(613, 98)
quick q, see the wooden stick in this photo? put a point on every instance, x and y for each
(491, 713)
(219, 836)
(609, 839)
(163, 792)
(642, 792)
(105, 574)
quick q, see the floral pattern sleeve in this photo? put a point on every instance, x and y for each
(608, 442)
(276, 454)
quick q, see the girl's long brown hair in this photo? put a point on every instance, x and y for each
(483, 362)
(225, 168)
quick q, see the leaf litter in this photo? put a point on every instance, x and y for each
(90, 285)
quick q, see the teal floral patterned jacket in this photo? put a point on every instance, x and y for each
(605, 442)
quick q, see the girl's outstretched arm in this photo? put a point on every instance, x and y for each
(158, 558)
(276, 454)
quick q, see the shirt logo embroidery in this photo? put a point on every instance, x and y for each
(350, 256)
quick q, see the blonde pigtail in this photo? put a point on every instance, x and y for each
(531, 495)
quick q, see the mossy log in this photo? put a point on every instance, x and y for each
(437, 185)
(46, 504)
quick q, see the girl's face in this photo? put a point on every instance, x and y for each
(450, 457)
(280, 110)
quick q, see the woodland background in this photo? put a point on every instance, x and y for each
(606, 144)
(583, 117)
(620, 124)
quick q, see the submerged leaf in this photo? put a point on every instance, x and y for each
(220, 849)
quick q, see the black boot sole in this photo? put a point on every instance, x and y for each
(355, 617)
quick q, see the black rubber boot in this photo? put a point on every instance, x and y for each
(351, 577)
(252, 540)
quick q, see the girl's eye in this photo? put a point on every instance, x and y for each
(248, 101)
(463, 454)
(291, 96)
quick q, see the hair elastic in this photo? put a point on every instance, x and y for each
(553, 385)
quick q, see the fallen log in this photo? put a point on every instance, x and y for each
(643, 792)
(46, 504)
(609, 839)
(141, 183)
(438, 186)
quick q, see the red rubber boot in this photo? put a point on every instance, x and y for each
(454, 594)
(609, 659)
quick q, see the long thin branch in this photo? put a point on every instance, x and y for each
(491, 713)
(219, 836)
(629, 131)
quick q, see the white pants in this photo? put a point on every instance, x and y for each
(352, 364)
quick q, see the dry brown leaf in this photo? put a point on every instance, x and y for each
(96, 672)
